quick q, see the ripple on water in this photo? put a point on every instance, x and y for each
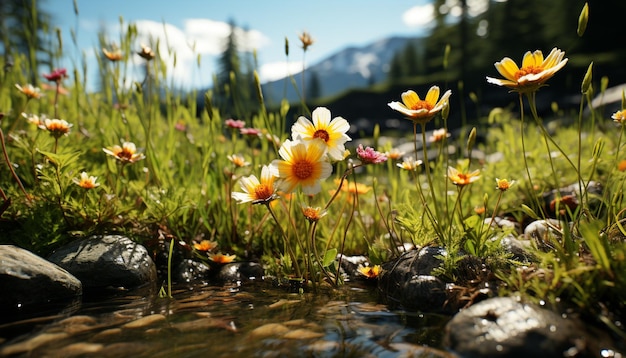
(253, 320)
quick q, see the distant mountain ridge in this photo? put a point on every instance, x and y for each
(352, 67)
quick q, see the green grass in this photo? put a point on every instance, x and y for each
(182, 189)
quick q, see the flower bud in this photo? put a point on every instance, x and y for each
(587, 80)
(471, 139)
(582, 20)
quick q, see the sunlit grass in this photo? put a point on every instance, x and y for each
(137, 158)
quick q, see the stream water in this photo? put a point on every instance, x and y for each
(253, 320)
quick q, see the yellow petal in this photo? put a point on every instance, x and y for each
(410, 98)
(507, 68)
(433, 95)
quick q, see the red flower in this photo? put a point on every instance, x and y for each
(56, 75)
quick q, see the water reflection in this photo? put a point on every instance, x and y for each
(255, 320)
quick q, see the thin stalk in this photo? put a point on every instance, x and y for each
(286, 239)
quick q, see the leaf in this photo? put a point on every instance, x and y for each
(329, 257)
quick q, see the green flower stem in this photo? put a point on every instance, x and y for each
(285, 238)
(433, 219)
(530, 177)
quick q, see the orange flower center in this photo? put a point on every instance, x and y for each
(125, 154)
(422, 105)
(462, 179)
(262, 192)
(302, 169)
(58, 127)
(528, 70)
(322, 134)
(311, 214)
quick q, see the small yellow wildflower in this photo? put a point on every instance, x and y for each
(238, 160)
(30, 91)
(86, 181)
(533, 73)
(127, 153)
(439, 135)
(205, 245)
(619, 116)
(221, 258)
(114, 55)
(313, 214)
(409, 164)
(621, 166)
(255, 191)
(394, 154)
(56, 127)
(503, 184)
(371, 272)
(462, 179)
(421, 110)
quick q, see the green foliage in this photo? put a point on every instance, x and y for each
(178, 188)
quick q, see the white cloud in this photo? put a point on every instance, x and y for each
(180, 48)
(277, 70)
(418, 16)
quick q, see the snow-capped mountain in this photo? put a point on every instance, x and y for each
(351, 67)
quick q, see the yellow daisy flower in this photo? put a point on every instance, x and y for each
(205, 245)
(504, 184)
(56, 127)
(30, 91)
(371, 272)
(238, 160)
(313, 214)
(86, 181)
(127, 153)
(462, 179)
(421, 110)
(409, 164)
(303, 164)
(331, 132)
(256, 191)
(533, 73)
(221, 258)
(619, 116)
(114, 55)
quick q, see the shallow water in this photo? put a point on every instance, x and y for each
(254, 320)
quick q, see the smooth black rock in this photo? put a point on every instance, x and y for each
(240, 272)
(408, 281)
(28, 282)
(504, 327)
(110, 261)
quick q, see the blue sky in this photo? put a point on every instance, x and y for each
(333, 24)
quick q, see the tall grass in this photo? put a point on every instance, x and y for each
(181, 191)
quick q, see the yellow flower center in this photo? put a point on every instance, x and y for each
(322, 134)
(262, 192)
(422, 105)
(528, 70)
(302, 169)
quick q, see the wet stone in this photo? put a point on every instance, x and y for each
(408, 281)
(110, 261)
(27, 281)
(543, 233)
(189, 271)
(504, 327)
(241, 272)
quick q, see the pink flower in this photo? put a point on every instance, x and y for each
(252, 132)
(235, 123)
(369, 156)
(56, 75)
